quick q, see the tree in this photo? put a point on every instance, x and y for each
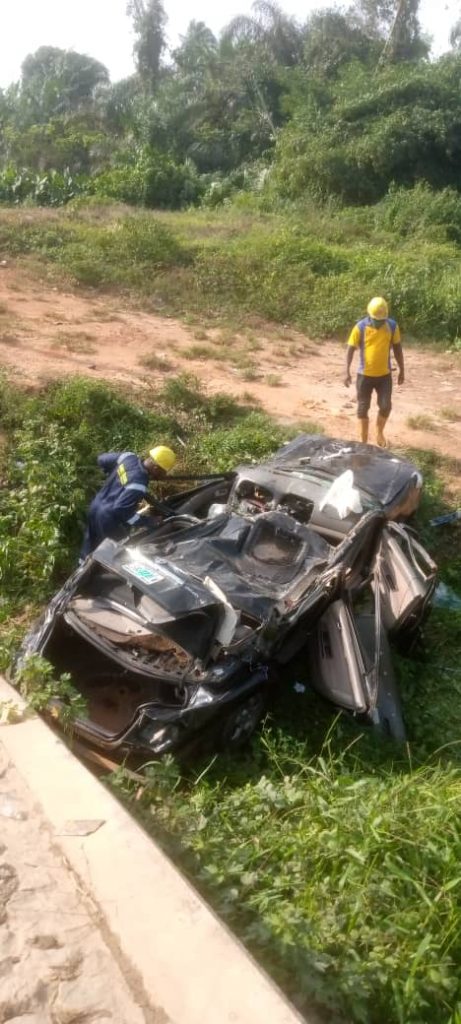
(270, 30)
(149, 21)
(455, 36)
(396, 23)
(332, 40)
(121, 105)
(198, 50)
(55, 82)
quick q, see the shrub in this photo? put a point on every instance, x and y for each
(420, 211)
(154, 180)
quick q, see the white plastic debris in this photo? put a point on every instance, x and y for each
(299, 688)
(216, 510)
(343, 496)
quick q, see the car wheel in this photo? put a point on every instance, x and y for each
(241, 722)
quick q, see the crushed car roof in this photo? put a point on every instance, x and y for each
(253, 563)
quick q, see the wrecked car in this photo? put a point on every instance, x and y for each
(171, 634)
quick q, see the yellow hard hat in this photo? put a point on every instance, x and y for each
(378, 309)
(164, 457)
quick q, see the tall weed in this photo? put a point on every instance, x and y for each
(281, 270)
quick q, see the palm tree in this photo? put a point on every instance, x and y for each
(270, 29)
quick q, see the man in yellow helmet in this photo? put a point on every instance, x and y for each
(116, 505)
(374, 337)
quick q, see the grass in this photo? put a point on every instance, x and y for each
(421, 422)
(201, 352)
(294, 267)
(342, 876)
(282, 353)
(220, 351)
(228, 339)
(273, 380)
(75, 341)
(450, 414)
(154, 362)
(253, 344)
(250, 399)
(249, 373)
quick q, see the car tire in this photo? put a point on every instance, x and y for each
(242, 721)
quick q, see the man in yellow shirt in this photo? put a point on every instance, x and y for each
(374, 336)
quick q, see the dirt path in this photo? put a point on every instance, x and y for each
(45, 333)
(55, 966)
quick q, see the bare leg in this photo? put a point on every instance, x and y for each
(363, 430)
(380, 424)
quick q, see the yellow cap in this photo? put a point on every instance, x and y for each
(164, 457)
(378, 309)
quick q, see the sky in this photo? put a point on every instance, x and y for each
(102, 29)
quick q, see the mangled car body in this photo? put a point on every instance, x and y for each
(171, 633)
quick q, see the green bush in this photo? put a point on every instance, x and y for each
(420, 211)
(247, 179)
(127, 251)
(255, 437)
(154, 181)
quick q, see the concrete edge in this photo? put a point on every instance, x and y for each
(186, 959)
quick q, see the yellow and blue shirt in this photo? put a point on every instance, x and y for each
(374, 345)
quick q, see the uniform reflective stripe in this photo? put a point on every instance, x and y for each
(136, 487)
(134, 519)
(123, 456)
(122, 474)
(362, 347)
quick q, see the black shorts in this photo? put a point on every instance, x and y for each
(365, 388)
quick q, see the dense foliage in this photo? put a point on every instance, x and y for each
(334, 856)
(347, 104)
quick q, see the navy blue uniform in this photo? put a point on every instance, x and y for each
(115, 505)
